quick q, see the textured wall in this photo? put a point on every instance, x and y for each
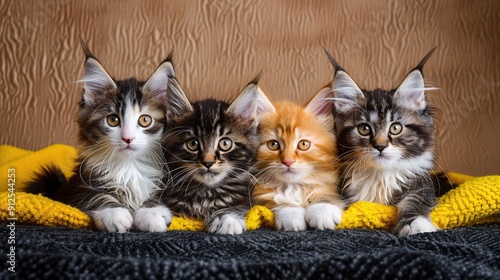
(219, 46)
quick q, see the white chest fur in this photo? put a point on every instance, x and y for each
(376, 186)
(379, 185)
(131, 180)
(291, 194)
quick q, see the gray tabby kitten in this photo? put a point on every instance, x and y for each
(386, 141)
(210, 147)
(120, 124)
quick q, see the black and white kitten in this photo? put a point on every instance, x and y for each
(120, 125)
(210, 147)
(386, 141)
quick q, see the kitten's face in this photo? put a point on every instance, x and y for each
(381, 129)
(120, 119)
(295, 143)
(125, 121)
(209, 144)
(380, 134)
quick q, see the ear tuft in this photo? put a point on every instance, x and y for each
(336, 66)
(86, 50)
(420, 66)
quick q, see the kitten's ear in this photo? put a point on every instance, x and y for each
(165, 86)
(95, 80)
(346, 93)
(410, 93)
(322, 106)
(251, 103)
(177, 101)
(157, 84)
(322, 102)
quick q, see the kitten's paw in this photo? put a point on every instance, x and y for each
(323, 216)
(154, 219)
(117, 219)
(420, 224)
(290, 218)
(228, 224)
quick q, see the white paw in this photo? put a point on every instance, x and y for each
(154, 219)
(420, 224)
(290, 218)
(323, 216)
(228, 224)
(116, 219)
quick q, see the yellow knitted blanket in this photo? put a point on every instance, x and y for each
(474, 201)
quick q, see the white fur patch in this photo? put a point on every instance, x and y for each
(290, 218)
(419, 225)
(291, 194)
(323, 216)
(116, 219)
(131, 177)
(378, 184)
(228, 224)
(154, 219)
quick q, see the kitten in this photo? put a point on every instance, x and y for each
(120, 124)
(210, 147)
(386, 146)
(297, 165)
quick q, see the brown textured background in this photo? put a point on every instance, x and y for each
(219, 46)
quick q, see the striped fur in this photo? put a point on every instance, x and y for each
(120, 124)
(386, 142)
(210, 148)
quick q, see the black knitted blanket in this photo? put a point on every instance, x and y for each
(54, 253)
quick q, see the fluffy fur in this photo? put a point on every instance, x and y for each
(386, 146)
(120, 124)
(297, 165)
(210, 147)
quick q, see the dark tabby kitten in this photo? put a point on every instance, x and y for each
(210, 147)
(386, 144)
(120, 124)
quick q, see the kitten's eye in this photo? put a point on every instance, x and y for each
(396, 128)
(273, 145)
(225, 144)
(193, 144)
(304, 145)
(113, 120)
(145, 120)
(364, 129)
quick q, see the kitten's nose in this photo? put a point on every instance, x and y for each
(288, 163)
(208, 164)
(380, 148)
(127, 140)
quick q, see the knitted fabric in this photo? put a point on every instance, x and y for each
(474, 201)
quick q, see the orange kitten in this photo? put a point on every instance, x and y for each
(297, 165)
